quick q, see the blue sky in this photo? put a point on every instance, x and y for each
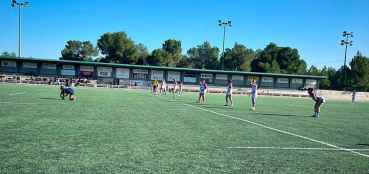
(312, 26)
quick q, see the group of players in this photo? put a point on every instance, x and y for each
(228, 93)
(177, 88)
(162, 88)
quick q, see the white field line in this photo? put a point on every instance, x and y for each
(296, 148)
(16, 93)
(18, 103)
(281, 131)
(174, 109)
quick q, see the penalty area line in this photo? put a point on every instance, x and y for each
(281, 131)
(297, 148)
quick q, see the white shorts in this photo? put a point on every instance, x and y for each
(322, 99)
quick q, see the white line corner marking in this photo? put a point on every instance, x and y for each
(282, 131)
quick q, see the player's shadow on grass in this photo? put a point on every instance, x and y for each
(207, 106)
(175, 100)
(362, 144)
(280, 115)
(49, 98)
(214, 107)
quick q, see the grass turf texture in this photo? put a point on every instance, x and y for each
(125, 131)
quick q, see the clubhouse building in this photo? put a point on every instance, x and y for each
(110, 73)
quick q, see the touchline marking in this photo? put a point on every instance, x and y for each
(18, 103)
(174, 109)
(281, 131)
(296, 148)
(17, 93)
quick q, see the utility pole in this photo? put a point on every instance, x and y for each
(224, 24)
(19, 5)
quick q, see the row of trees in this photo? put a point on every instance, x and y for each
(7, 54)
(119, 48)
(355, 77)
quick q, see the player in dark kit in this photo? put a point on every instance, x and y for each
(67, 91)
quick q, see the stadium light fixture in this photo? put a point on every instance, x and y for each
(346, 41)
(224, 24)
(19, 5)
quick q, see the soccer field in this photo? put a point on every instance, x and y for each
(127, 131)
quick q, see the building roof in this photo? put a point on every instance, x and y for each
(161, 68)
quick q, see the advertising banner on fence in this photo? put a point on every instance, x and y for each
(296, 81)
(68, 70)
(140, 71)
(9, 64)
(207, 77)
(29, 65)
(140, 74)
(157, 75)
(49, 66)
(282, 80)
(221, 76)
(104, 71)
(237, 77)
(267, 79)
(189, 77)
(174, 75)
(310, 83)
(86, 71)
(86, 68)
(122, 73)
(70, 67)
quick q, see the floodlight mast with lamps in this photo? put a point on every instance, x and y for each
(224, 24)
(19, 5)
(346, 41)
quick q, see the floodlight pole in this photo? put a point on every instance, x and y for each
(224, 35)
(19, 31)
(347, 42)
(19, 5)
(224, 24)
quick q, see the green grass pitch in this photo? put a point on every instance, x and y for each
(126, 131)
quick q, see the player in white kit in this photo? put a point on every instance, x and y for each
(229, 92)
(202, 91)
(254, 94)
(319, 100)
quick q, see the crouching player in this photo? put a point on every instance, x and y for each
(319, 100)
(67, 91)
